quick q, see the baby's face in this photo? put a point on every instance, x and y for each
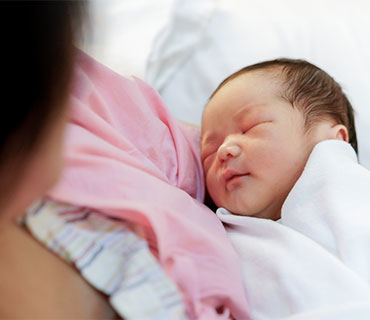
(253, 146)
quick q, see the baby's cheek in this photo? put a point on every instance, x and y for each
(214, 188)
(269, 156)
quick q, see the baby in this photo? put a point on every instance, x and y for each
(259, 128)
(274, 146)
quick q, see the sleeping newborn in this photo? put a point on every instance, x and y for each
(278, 143)
(259, 128)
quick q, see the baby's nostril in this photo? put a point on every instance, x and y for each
(233, 151)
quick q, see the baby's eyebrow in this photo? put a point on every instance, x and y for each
(245, 110)
(241, 112)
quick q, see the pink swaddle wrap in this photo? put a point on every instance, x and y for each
(127, 157)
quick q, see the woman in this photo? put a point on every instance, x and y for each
(38, 58)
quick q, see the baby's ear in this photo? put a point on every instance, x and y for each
(340, 132)
(325, 130)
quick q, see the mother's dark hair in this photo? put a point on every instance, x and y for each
(37, 57)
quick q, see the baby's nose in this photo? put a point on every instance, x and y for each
(227, 151)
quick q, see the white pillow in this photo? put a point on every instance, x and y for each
(122, 31)
(208, 40)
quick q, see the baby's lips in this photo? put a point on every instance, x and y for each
(229, 174)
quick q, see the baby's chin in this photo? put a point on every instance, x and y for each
(240, 212)
(241, 208)
(266, 213)
(234, 209)
(235, 203)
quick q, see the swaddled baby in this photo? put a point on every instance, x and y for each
(259, 128)
(278, 143)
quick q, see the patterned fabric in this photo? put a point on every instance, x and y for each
(110, 257)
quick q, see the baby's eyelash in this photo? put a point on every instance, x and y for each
(255, 125)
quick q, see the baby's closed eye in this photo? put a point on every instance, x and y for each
(248, 129)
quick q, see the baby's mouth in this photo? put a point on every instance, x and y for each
(231, 176)
(235, 177)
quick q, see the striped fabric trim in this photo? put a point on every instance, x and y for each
(110, 257)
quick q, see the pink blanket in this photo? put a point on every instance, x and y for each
(127, 157)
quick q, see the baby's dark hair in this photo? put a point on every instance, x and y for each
(311, 90)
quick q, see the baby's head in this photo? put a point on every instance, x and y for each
(259, 128)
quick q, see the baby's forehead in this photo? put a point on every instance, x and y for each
(254, 85)
(272, 78)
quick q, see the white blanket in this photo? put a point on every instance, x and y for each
(315, 262)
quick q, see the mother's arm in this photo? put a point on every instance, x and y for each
(38, 284)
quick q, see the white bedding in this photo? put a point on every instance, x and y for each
(315, 262)
(121, 32)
